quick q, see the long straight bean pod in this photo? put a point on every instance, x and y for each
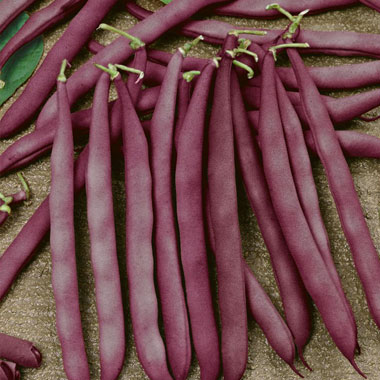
(225, 224)
(342, 187)
(260, 306)
(62, 242)
(139, 252)
(299, 238)
(305, 185)
(102, 238)
(172, 298)
(293, 294)
(189, 195)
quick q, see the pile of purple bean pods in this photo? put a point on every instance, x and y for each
(188, 129)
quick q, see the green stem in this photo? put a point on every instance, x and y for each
(130, 70)
(24, 185)
(248, 52)
(111, 71)
(281, 10)
(5, 199)
(283, 46)
(296, 20)
(216, 61)
(236, 32)
(5, 208)
(295, 24)
(189, 75)
(244, 43)
(135, 44)
(189, 45)
(245, 67)
(62, 76)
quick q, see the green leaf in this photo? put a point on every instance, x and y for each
(22, 63)
(166, 1)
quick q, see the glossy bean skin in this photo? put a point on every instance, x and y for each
(342, 187)
(293, 293)
(304, 250)
(62, 243)
(189, 194)
(139, 252)
(37, 24)
(225, 224)
(172, 298)
(102, 237)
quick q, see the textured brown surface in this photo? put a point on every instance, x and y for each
(29, 311)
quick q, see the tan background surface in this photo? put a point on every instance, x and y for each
(29, 311)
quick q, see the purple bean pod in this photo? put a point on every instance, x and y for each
(10, 9)
(299, 238)
(85, 78)
(39, 22)
(353, 143)
(225, 224)
(293, 293)
(102, 237)
(19, 351)
(257, 8)
(188, 180)
(169, 279)
(341, 184)
(334, 43)
(62, 242)
(43, 81)
(260, 306)
(184, 94)
(9, 371)
(306, 189)
(139, 228)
